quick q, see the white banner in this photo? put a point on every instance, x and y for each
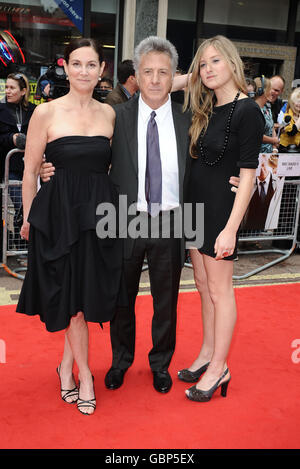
(281, 164)
(288, 164)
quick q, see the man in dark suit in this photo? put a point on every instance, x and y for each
(155, 63)
(126, 86)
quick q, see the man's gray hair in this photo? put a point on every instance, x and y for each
(155, 44)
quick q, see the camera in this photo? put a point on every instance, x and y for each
(56, 78)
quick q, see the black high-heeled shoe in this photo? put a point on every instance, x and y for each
(86, 403)
(192, 376)
(199, 395)
(67, 393)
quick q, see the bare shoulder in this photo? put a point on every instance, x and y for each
(109, 110)
(43, 111)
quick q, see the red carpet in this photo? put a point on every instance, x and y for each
(261, 409)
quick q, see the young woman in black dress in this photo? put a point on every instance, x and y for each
(226, 134)
(73, 276)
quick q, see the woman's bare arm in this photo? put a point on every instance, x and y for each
(227, 238)
(35, 146)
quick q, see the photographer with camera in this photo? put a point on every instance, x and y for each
(53, 83)
(15, 114)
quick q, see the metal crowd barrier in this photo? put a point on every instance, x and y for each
(287, 230)
(12, 243)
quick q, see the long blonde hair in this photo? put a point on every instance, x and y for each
(200, 99)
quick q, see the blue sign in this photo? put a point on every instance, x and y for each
(74, 10)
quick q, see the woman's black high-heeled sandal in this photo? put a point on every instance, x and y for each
(198, 395)
(87, 403)
(68, 393)
(192, 376)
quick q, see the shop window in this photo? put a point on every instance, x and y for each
(33, 33)
(42, 29)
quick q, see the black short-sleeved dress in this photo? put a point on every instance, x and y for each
(210, 184)
(70, 269)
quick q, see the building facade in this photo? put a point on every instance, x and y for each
(33, 33)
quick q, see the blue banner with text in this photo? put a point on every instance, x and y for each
(74, 10)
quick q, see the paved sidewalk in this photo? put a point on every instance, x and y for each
(287, 271)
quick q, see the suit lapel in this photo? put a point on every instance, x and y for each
(181, 131)
(130, 118)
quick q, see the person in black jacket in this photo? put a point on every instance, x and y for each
(15, 114)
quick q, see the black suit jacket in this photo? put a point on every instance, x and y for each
(124, 167)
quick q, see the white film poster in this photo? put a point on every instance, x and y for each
(264, 207)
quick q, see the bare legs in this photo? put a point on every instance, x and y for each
(214, 283)
(65, 372)
(207, 309)
(76, 348)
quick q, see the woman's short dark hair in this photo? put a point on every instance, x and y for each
(83, 42)
(125, 70)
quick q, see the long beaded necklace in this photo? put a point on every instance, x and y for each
(227, 131)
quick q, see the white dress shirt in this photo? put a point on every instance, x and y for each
(168, 155)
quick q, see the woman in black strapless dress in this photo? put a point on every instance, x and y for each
(226, 134)
(73, 275)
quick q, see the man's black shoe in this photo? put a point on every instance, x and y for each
(162, 381)
(114, 378)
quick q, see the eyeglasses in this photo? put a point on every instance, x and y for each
(18, 76)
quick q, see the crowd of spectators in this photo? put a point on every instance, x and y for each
(282, 131)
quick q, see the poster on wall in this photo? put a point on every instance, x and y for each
(264, 207)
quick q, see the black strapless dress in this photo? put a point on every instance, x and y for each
(70, 269)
